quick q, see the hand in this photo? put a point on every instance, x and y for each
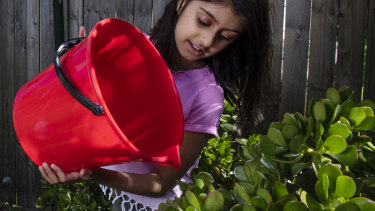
(82, 31)
(54, 175)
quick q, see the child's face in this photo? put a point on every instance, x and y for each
(204, 29)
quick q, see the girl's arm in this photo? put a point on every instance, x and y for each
(154, 184)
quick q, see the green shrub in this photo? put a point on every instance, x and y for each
(324, 161)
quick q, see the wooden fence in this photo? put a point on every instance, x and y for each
(323, 46)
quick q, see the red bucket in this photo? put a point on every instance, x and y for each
(110, 99)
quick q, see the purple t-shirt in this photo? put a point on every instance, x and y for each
(202, 99)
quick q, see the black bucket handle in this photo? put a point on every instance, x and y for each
(63, 48)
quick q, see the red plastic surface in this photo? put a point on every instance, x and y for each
(118, 68)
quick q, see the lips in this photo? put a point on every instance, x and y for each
(194, 49)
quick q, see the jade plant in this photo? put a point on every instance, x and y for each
(321, 161)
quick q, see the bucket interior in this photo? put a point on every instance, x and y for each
(135, 86)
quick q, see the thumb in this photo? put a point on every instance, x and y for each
(86, 173)
(82, 31)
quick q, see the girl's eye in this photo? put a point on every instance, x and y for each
(203, 23)
(224, 37)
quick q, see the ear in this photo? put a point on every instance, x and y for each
(180, 5)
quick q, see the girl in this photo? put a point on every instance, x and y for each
(215, 49)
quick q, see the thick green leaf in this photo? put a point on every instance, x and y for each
(279, 204)
(298, 167)
(333, 173)
(280, 190)
(345, 187)
(349, 206)
(356, 115)
(205, 177)
(346, 107)
(319, 111)
(228, 198)
(345, 92)
(295, 145)
(241, 194)
(276, 137)
(242, 207)
(335, 144)
(199, 183)
(333, 95)
(258, 202)
(277, 125)
(312, 204)
(344, 121)
(367, 124)
(192, 199)
(189, 208)
(289, 131)
(368, 103)
(368, 110)
(266, 146)
(321, 193)
(264, 194)
(348, 157)
(295, 206)
(290, 119)
(364, 203)
(339, 129)
(249, 187)
(239, 173)
(325, 184)
(213, 201)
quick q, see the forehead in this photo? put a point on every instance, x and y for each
(223, 13)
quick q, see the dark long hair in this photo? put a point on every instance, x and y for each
(242, 68)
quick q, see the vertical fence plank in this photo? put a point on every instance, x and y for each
(276, 25)
(295, 59)
(158, 9)
(20, 77)
(125, 10)
(91, 14)
(47, 47)
(323, 45)
(369, 91)
(65, 18)
(8, 193)
(75, 18)
(32, 42)
(142, 15)
(107, 9)
(351, 43)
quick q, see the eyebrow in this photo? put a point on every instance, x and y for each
(213, 17)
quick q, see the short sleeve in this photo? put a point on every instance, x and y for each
(206, 110)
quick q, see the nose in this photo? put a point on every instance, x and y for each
(207, 40)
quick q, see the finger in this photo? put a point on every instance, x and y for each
(60, 174)
(82, 31)
(50, 176)
(86, 174)
(44, 174)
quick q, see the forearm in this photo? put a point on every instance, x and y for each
(142, 184)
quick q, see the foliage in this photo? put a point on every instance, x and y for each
(8, 206)
(324, 161)
(77, 196)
